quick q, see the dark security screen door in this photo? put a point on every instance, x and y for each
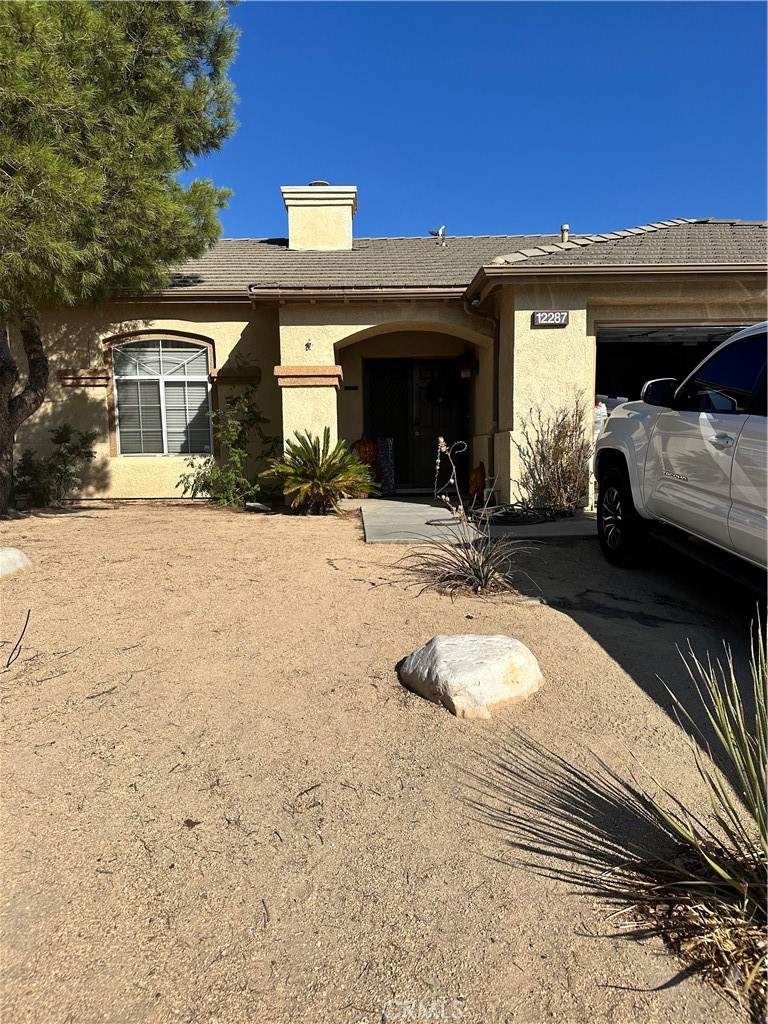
(415, 401)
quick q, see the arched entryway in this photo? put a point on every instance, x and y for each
(404, 389)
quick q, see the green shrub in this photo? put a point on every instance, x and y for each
(47, 480)
(318, 476)
(235, 429)
(554, 457)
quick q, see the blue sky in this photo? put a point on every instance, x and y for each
(499, 118)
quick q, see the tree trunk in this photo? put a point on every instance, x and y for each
(6, 463)
(14, 409)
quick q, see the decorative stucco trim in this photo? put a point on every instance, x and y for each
(90, 377)
(236, 375)
(309, 376)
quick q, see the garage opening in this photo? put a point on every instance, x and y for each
(627, 357)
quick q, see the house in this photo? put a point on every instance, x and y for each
(400, 338)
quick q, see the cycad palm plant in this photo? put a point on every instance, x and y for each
(318, 476)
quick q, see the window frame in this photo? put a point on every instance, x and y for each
(160, 379)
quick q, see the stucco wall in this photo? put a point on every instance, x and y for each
(241, 338)
(309, 409)
(322, 229)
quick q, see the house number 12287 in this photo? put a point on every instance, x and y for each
(550, 318)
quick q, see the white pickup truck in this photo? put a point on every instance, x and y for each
(689, 461)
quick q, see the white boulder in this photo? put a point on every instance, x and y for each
(11, 559)
(472, 675)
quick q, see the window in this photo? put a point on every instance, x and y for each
(162, 397)
(725, 382)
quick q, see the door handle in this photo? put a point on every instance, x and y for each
(721, 441)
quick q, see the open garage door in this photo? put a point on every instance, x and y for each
(627, 357)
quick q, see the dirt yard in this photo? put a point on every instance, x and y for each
(221, 805)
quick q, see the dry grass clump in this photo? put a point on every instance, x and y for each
(708, 900)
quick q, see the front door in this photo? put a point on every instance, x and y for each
(415, 401)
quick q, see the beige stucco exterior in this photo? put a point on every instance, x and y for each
(242, 339)
(536, 367)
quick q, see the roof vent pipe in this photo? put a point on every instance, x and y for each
(564, 229)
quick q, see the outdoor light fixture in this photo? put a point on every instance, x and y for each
(468, 365)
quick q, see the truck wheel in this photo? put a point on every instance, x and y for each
(620, 530)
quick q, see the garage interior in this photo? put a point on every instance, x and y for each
(627, 357)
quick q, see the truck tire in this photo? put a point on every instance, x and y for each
(620, 530)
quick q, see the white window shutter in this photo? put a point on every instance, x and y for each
(186, 417)
(139, 419)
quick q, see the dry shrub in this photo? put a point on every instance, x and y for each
(555, 454)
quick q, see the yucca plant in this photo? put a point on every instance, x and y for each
(318, 476)
(464, 559)
(712, 890)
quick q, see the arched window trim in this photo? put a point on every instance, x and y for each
(109, 346)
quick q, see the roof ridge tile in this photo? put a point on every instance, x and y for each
(588, 240)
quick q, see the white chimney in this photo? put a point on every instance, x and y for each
(320, 216)
(564, 229)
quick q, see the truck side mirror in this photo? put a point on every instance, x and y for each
(659, 392)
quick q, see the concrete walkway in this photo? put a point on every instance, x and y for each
(393, 521)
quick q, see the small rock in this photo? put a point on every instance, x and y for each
(11, 560)
(256, 506)
(472, 675)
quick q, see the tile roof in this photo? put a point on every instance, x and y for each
(669, 243)
(234, 264)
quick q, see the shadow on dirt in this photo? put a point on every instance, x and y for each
(646, 619)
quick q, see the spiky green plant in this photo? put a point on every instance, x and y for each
(716, 881)
(318, 476)
(465, 559)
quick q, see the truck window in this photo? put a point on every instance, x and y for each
(725, 382)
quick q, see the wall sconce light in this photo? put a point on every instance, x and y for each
(468, 366)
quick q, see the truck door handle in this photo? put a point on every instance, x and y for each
(721, 441)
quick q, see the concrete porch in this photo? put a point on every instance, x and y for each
(408, 521)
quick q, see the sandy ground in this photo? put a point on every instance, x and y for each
(221, 806)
